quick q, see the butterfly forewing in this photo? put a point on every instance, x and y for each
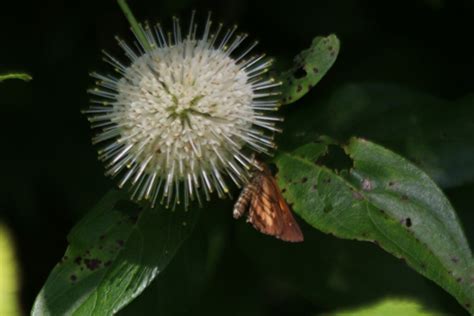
(268, 211)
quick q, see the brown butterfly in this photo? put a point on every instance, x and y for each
(268, 211)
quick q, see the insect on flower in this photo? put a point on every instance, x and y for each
(183, 116)
(267, 210)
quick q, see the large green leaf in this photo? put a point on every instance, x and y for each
(435, 134)
(384, 199)
(193, 266)
(115, 252)
(309, 68)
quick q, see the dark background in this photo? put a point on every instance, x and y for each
(50, 175)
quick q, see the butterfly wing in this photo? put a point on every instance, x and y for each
(269, 213)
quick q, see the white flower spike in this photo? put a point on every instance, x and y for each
(185, 116)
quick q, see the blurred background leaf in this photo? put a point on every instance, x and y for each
(9, 274)
(388, 307)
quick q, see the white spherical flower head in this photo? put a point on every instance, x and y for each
(186, 115)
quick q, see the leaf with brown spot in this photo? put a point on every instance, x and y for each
(111, 260)
(309, 68)
(423, 228)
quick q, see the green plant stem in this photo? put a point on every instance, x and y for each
(136, 27)
(21, 76)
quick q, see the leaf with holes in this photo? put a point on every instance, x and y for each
(416, 124)
(114, 253)
(309, 68)
(384, 199)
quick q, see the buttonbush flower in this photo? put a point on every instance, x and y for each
(185, 113)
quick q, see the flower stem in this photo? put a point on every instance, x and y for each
(136, 27)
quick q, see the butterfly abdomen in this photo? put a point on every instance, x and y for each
(243, 201)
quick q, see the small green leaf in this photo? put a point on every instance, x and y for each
(309, 67)
(388, 307)
(20, 76)
(387, 200)
(114, 253)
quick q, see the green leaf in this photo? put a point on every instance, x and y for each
(21, 76)
(433, 133)
(388, 307)
(384, 199)
(309, 67)
(115, 252)
(194, 265)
